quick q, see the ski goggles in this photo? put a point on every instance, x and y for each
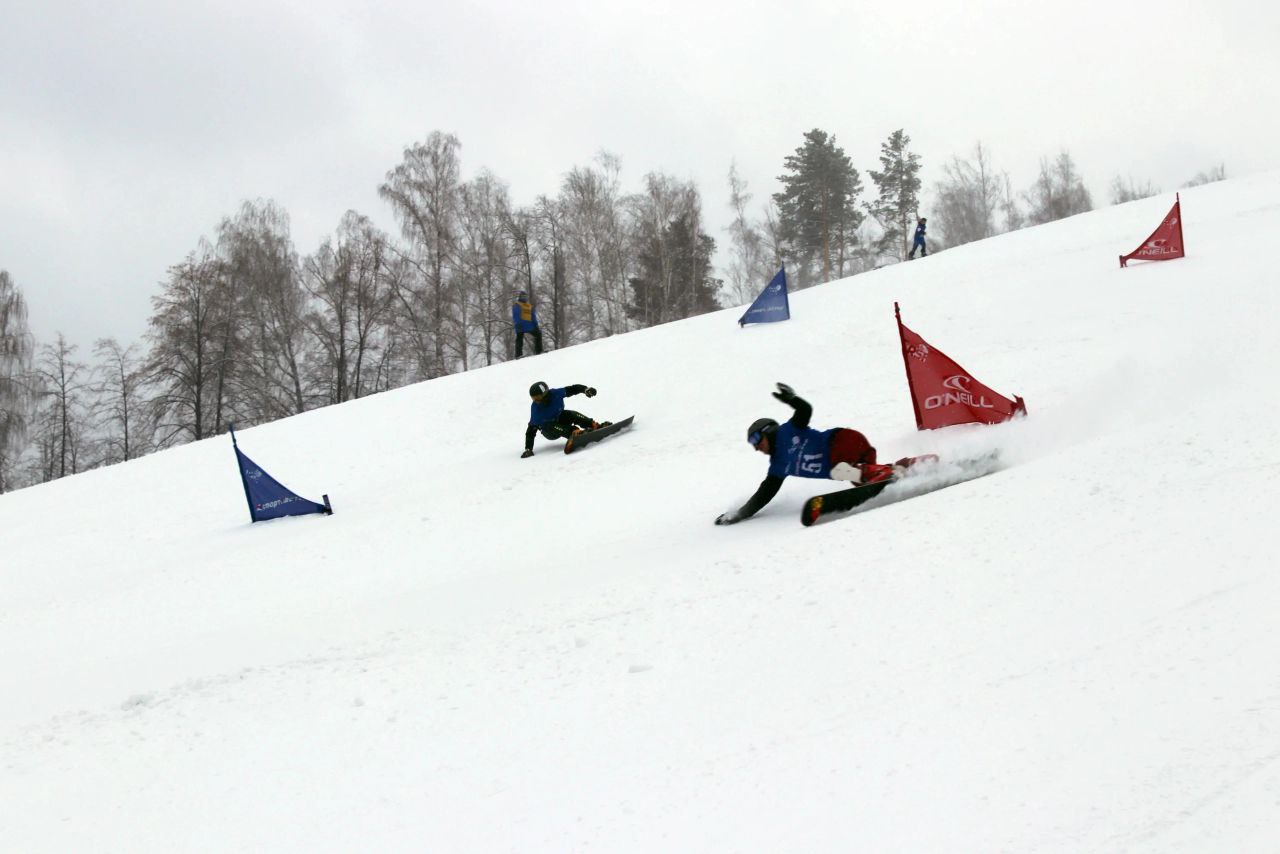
(754, 438)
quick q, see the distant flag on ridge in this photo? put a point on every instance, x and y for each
(772, 304)
(1165, 243)
(267, 498)
(943, 393)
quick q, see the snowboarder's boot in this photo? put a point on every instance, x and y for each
(907, 462)
(876, 472)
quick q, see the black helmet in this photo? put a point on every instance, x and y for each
(761, 428)
(537, 388)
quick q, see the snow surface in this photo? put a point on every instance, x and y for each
(484, 653)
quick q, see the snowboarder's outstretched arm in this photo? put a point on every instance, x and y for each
(528, 441)
(804, 411)
(571, 390)
(764, 494)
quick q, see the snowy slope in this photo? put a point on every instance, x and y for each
(479, 652)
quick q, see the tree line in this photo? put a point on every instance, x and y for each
(245, 329)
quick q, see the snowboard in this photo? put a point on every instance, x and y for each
(911, 483)
(588, 437)
(841, 501)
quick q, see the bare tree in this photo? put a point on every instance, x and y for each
(1014, 217)
(549, 236)
(423, 193)
(348, 278)
(397, 360)
(121, 406)
(16, 345)
(61, 421)
(750, 265)
(595, 254)
(970, 197)
(188, 334)
(488, 271)
(261, 266)
(774, 240)
(1127, 190)
(1058, 192)
(1215, 173)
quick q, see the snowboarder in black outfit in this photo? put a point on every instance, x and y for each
(918, 243)
(548, 415)
(795, 448)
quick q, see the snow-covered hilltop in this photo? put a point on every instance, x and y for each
(479, 652)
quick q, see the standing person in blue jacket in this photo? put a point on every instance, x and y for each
(548, 415)
(795, 448)
(524, 319)
(918, 243)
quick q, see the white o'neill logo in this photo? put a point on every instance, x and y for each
(957, 392)
(1159, 246)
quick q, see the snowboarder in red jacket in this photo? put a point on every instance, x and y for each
(795, 448)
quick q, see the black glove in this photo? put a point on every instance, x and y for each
(726, 519)
(528, 452)
(785, 393)
(590, 392)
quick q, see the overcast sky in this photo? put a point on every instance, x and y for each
(129, 129)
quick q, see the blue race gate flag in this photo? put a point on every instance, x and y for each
(267, 498)
(772, 303)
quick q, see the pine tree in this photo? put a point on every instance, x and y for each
(818, 208)
(672, 254)
(674, 278)
(898, 204)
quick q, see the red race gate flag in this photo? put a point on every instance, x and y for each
(943, 393)
(1165, 243)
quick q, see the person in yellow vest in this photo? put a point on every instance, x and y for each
(524, 318)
